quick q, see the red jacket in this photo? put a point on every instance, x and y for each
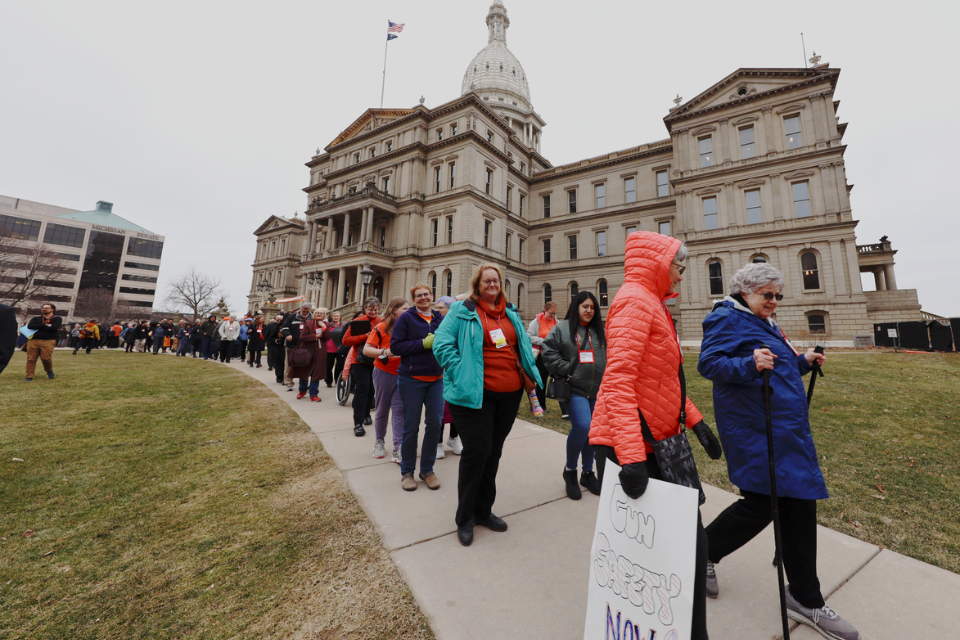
(351, 340)
(643, 355)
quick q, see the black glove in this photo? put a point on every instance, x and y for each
(707, 440)
(633, 479)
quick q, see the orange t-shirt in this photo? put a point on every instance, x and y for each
(428, 319)
(499, 365)
(374, 338)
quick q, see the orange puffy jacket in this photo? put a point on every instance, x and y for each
(643, 355)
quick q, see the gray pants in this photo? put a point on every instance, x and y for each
(387, 399)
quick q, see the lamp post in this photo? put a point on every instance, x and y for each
(367, 276)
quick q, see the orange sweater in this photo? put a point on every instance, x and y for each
(500, 372)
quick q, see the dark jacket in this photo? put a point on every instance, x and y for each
(8, 334)
(406, 341)
(142, 332)
(271, 334)
(45, 331)
(291, 327)
(255, 341)
(562, 358)
(209, 328)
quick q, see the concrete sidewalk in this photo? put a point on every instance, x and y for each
(531, 581)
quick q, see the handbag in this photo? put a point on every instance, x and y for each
(300, 357)
(558, 388)
(674, 457)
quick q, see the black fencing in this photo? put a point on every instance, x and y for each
(913, 335)
(919, 336)
(941, 338)
(881, 337)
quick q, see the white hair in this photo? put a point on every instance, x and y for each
(682, 253)
(755, 276)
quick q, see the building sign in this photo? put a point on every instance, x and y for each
(148, 236)
(642, 562)
(100, 227)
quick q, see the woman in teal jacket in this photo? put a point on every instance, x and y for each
(481, 346)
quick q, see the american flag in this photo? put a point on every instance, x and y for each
(393, 27)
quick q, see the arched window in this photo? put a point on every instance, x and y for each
(433, 284)
(759, 258)
(547, 293)
(817, 321)
(448, 286)
(506, 287)
(346, 292)
(378, 288)
(715, 277)
(811, 272)
(574, 290)
(604, 298)
(520, 296)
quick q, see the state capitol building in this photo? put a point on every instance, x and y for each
(752, 169)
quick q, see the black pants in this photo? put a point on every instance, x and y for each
(240, 350)
(279, 360)
(744, 519)
(255, 356)
(362, 375)
(453, 431)
(331, 360)
(85, 343)
(341, 362)
(157, 345)
(482, 432)
(226, 350)
(699, 626)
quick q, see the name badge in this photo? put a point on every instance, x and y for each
(586, 356)
(536, 351)
(499, 340)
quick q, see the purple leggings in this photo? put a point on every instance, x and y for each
(387, 399)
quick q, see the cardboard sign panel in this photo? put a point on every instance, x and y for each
(642, 562)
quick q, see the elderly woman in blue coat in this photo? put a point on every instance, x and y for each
(740, 341)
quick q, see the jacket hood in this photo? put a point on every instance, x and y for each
(647, 261)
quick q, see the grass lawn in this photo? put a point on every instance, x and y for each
(887, 429)
(165, 497)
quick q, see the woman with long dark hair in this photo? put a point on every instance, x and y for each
(577, 349)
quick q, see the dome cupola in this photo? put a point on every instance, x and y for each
(495, 73)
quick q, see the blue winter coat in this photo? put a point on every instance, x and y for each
(406, 341)
(731, 332)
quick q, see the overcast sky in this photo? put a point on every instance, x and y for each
(196, 118)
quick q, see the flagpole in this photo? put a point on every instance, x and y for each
(384, 85)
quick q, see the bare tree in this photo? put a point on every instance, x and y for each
(194, 292)
(95, 303)
(29, 272)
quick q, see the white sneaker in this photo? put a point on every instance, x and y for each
(378, 450)
(455, 444)
(440, 453)
(396, 456)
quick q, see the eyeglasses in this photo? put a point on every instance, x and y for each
(770, 296)
(680, 267)
(420, 296)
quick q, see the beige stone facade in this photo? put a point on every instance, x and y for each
(751, 168)
(276, 268)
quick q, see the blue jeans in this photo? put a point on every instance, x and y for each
(205, 347)
(578, 440)
(416, 396)
(313, 386)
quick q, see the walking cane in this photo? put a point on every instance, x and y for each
(817, 371)
(773, 501)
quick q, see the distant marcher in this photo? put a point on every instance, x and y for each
(63, 336)
(196, 339)
(734, 357)
(487, 358)
(229, 332)
(538, 329)
(158, 334)
(386, 393)
(332, 347)
(115, 331)
(362, 368)
(183, 339)
(302, 331)
(341, 357)
(129, 337)
(8, 334)
(443, 306)
(240, 350)
(74, 335)
(208, 329)
(89, 337)
(143, 334)
(41, 345)
(255, 341)
(274, 341)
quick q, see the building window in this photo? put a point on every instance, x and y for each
(66, 236)
(134, 278)
(715, 277)
(20, 228)
(453, 174)
(449, 284)
(574, 290)
(663, 185)
(817, 323)
(706, 151)
(439, 134)
(486, 234)
(710, 220)
(373, 152)
(453, 129)
(520, 295)
(522, 199)
(630, 189)
(346, 291)
(747, 147)
(546, 206)
(547, 294)
(754, 211)
(801, 199)
(523, 168)
(435, 224)
(144, 248)
(792, 127)
(378, 288)
(436, 179)
(509, 197)
(600, 192)
(136, 291)
(385, 184)
(433, 284)
(489, 136)
(602, 291)
(601, 243)
(572, 198)
(520, 250)
(572, 245)
(546, 251)
(811, 274)
(389, 145)
(489, 182)
(506, 245)
(140, 265)
(663, 228)
(356, 158)
(449, 229)
(383, 236)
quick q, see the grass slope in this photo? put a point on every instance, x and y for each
(887, 430)
(163, 497)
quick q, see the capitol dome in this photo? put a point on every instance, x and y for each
(495, 73)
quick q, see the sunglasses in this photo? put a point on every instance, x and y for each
(770, 296)
(680, 268)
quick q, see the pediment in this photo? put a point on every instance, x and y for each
(756, 182)
(276, 222)
(370, 120)
(798, 174)
(708, 191)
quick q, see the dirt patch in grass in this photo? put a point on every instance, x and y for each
(170, 498)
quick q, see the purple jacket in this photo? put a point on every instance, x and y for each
(406, 341)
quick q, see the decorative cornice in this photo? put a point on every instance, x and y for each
(745, 120)
(798, 174)
(753, 182)
(791, 108)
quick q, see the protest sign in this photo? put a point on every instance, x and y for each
(642, 562)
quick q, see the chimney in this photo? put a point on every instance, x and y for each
(104, 206)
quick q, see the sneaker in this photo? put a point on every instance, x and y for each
(358, 430)
(713, 587)
(440, 454)
(588, 480)
(290, 388)
(378, 450)
(455, 445)
(565, 416)
(407, 483)
(823, 620)
(301, 394)
(28, 379)
(570, 479)
(51, 375)
(367, 421)
(395, 457)
(431, 479)
(314, 398)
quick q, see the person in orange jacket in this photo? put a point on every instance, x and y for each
(643, 376)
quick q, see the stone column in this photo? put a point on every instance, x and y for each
(324, 286)
(889, 277)
(829, 188)
(770, 142)
(359, 294)
(777, 204)
(370, 224)
(790, 267)
(830, 115)
(345, 238)
(853, 263)
(677, 150)
(818, 123)
(341, 281)
(839, 277)
(842, 187)
(878, 279)
(724, 155)
(363, 226)
(328, 241)
(732, 216)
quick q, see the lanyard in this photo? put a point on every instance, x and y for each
(589, 341)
